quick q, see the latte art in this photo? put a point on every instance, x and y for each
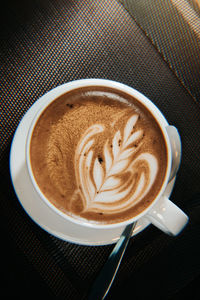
(117, 181)
(98, 154)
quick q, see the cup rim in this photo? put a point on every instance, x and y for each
(51, 96)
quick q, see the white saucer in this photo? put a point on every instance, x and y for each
(39, 211)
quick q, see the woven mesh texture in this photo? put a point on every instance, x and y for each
(174, 29)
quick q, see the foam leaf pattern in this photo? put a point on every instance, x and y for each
(115, 144)
(105, 182)
(129, 127)
(107, 157)
(98, 174)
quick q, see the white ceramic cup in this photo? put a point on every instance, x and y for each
(163, 213)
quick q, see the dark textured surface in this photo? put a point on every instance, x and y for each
(47, 43)
(173, 27)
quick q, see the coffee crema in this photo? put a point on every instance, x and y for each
(97, 153)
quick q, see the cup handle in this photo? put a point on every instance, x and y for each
(167, 216)
(175, 142)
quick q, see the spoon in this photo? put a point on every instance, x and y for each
(107, 274)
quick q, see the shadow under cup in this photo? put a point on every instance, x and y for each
(51, 96)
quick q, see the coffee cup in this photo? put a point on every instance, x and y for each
(99, 156)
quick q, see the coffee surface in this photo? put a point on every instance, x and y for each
(98, 154)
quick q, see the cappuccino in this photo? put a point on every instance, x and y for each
(98, 154)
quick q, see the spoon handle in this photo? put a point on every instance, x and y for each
(107, 274)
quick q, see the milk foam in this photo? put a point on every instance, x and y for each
(124, 177)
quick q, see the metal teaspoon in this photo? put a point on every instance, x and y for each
(107, 274)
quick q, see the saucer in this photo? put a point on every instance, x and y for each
(41, 212)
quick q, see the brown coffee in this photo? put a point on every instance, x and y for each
(98, 154)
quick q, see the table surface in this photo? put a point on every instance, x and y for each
(153, 46)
